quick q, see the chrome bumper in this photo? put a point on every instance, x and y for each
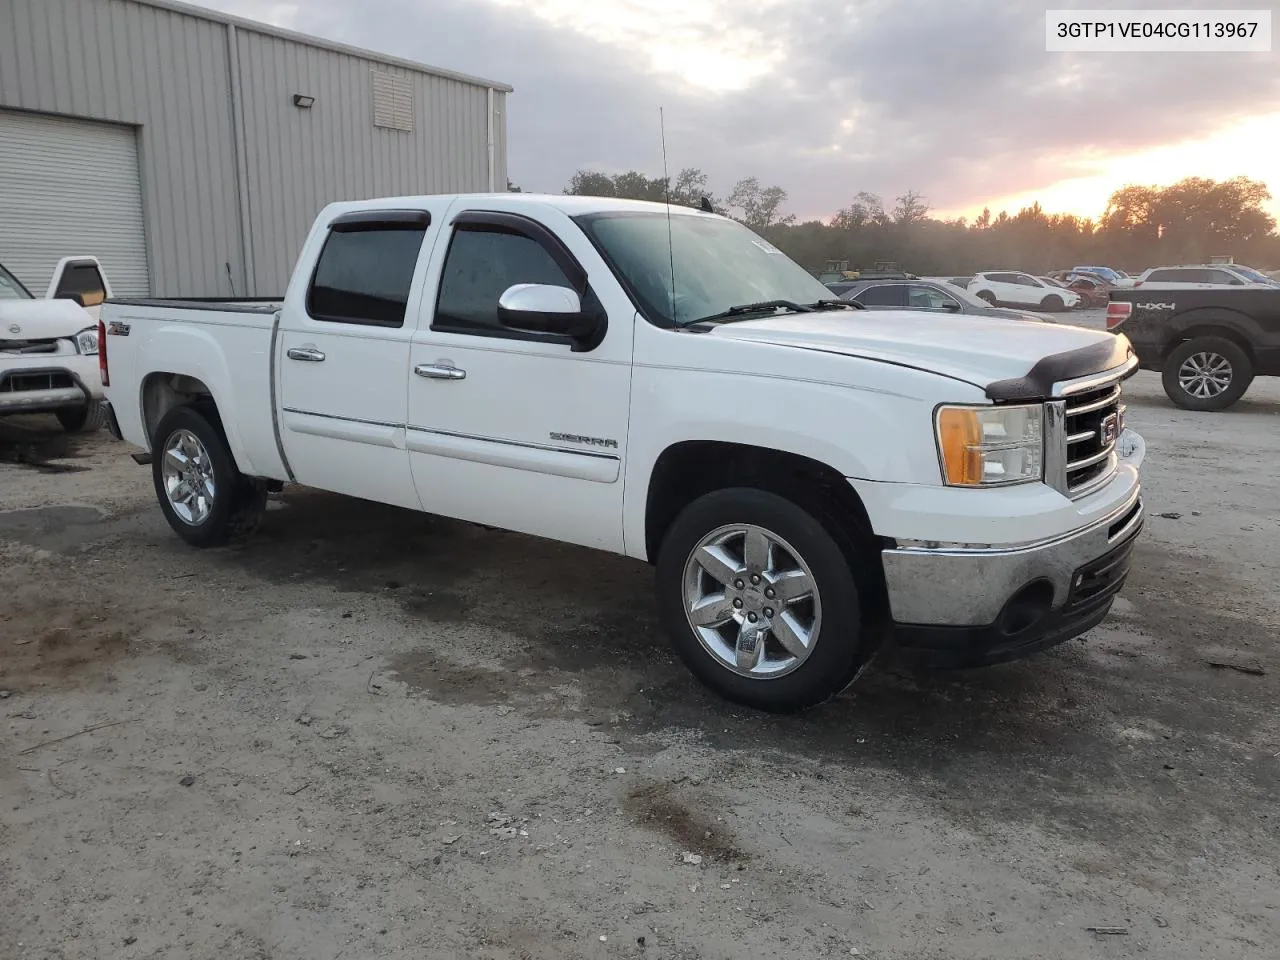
(963, 587)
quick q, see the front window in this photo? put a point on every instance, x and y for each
(11, 288)
(718, 264)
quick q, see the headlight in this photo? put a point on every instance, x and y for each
(986, 446)
(87, 340)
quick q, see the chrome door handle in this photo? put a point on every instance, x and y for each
(440, 371)
(310, 354)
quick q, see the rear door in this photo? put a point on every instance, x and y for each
(343, 353)
(519, 430)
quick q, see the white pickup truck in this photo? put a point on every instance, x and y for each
(666, 385)
(49, 347)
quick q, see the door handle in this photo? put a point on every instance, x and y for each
(310, 354)
(440, 371)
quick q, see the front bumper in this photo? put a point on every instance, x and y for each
(967, 607)
(48, 381)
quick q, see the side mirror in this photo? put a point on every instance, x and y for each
(543, 308)
(952, 306)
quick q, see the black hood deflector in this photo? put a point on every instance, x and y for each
(1038, 382)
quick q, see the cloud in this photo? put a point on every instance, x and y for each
(954, 98)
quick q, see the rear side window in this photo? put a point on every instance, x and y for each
(481, 264)
(83, 280)
(1167, 276)
(365, 273)
(883, 295)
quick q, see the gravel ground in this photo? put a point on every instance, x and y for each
(372, 733)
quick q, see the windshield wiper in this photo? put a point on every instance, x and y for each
(743, 309)
(836, 305)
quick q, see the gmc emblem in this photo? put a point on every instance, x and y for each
(1110, 428)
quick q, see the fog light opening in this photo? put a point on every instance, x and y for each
(1026, 608)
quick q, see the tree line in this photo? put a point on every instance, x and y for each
(1142, 226)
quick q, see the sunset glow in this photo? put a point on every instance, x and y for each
(1250, 148)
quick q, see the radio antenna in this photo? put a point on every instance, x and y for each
(666, 192)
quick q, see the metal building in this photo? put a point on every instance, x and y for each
(189, 151)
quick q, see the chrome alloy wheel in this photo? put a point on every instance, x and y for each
(188, 477)
(1205, 375)
(752, 601)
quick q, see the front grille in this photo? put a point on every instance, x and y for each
(17, 382)
(28, 346)
(1093, 420)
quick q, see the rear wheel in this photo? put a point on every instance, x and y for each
(84, 419)
(759, 600)
(206, 499)
(1207, 373)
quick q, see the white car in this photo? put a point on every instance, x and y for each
(1203, 276)
(49, 348)
(802, 473)
(1001, 288)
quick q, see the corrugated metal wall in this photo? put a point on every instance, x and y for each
(306, 158)
(171, 74)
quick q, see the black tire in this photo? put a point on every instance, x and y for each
(841, 646)
(1240, 372)
(988, 296)
(238, 501)
(1052, 303)
(84, 419)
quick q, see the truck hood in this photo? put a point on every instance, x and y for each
(41, 319)
(1009, 359)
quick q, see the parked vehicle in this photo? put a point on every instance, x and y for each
(1093, 290)
(800, 476)
(1117, 278)
(49, 348)
(1203, 276)
(1208, 344)
(928, 293)
(1000, 288)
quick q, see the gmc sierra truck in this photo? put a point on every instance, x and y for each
(1208, 344)
(663, 384)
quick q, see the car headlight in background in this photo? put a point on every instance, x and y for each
(87, 340)
(988, 446)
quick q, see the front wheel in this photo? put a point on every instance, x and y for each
(988, 296)
(759, 600)
(1207, 373)
(84, 419)
(204, 496)
(1053, 303)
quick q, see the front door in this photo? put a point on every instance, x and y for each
(518, 430)
(343, 356)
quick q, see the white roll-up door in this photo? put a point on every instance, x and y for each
(70, 188)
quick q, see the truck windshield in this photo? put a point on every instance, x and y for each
(719, 264)
(11, 288)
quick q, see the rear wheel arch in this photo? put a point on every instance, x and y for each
(162, 391)
(1227, 324)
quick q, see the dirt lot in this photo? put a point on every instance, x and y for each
(370, 733)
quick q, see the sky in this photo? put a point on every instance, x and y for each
(956, 100)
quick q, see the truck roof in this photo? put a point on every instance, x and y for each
(569, 205)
